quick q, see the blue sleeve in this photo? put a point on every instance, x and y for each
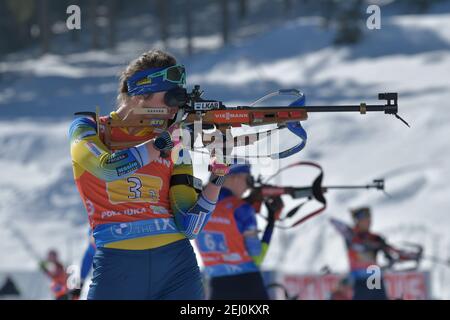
(253, 245)
(343, 229)
(192, 221)
(86, 264)
(245, 217)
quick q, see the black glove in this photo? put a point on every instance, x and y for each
(274, 207)
(419, 255)
(75, 294)
(255, 196)
(164, 144)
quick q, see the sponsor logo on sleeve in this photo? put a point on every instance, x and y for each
(117, 158)
(129, 167)
(93, 149)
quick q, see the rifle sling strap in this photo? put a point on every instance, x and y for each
(188, 180)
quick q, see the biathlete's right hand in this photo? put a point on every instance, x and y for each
(274, 206)
(75, 294)
(165, 142)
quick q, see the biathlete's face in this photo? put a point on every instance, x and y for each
(363, 224)
(148, 89)
(52, 256)
(240, 184)
(154, 100)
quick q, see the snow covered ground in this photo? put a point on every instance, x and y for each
(409, 55)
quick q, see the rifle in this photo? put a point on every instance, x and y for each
(197, 114)
(420, 256)
(268, 190)
(262, 191)
(26, 244)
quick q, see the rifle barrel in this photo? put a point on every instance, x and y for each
(352, 187)
(361, 108)
(437, 260)
(345, 108)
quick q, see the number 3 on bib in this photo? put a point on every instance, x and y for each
(136, 188)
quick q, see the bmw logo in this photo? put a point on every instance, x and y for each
(121, 230)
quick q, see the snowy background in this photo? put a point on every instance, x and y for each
(409, 55)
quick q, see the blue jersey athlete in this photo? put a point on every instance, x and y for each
(229, 244)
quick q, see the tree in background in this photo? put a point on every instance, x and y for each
(287, 6)
(24, 23)
(162, 10)
(189, 27)
(112, 6)
(95, 41)
(243, 9)
(327, 9)
(16, 18)
(225, 20)
(349, 20)
(422, 5)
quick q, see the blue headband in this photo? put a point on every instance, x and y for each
(239, 168)
(139, 83)
(361, 213)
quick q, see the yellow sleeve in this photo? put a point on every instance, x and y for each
(89, 153)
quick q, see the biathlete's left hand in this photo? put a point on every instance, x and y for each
(217, 167)
(218, 171)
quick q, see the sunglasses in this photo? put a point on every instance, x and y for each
(175, 74)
